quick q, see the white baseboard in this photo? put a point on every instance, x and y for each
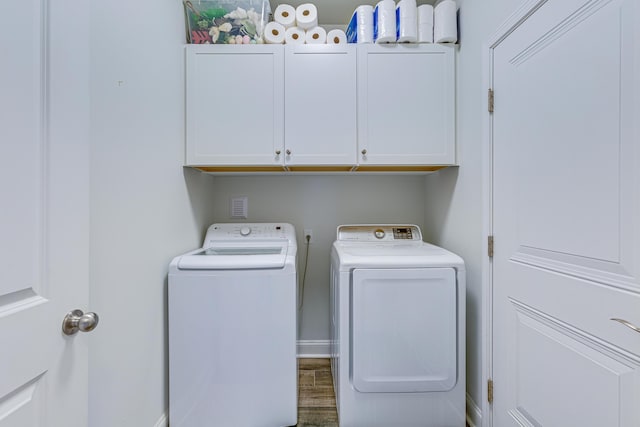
(314, 348)
(474, 414)
(162, 422)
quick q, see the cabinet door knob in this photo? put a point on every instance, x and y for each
(277, 152)
(288, 152)
(364, 152)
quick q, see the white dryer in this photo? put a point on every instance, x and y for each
(397, 329)
(232, 329)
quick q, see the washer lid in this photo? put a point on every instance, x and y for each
(236, 256)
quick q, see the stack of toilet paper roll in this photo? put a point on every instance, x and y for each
(299, 26)
(404, 22)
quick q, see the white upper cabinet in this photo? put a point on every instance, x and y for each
(320, 105)
(234, 105)
(406, 108)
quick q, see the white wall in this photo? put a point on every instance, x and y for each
(322, 203)
(454, 208)
(145, 208)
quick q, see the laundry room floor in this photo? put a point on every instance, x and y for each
(316, 400)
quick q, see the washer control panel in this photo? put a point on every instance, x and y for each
(379, 233)
(249, 231)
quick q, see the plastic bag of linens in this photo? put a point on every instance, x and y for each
(226, 21)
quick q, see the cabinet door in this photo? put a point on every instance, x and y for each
(320, 105)
(234, 105)
(406, 111)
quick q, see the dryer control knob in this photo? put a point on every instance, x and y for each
(245, 231)
(379, 233)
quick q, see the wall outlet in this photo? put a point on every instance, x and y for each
(308, 232)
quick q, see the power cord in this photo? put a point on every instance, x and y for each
(304, 274)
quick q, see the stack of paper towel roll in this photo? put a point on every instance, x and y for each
(404, 22)
(445, 22)
(298, 26)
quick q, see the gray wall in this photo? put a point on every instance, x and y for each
(145, 208)
(321, 203)
(454, 208)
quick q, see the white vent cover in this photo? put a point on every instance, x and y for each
(239, 207)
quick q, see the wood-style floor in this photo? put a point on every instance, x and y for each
(316, 400)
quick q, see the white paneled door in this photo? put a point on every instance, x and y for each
(44, 204)
(566, 215)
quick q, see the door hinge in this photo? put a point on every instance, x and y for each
(490, 391)
(490, 100)
(490, 246)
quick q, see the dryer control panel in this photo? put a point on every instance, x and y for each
(379, 233)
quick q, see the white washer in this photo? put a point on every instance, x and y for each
(232, 329)
(397, 329)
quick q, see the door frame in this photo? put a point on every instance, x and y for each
(524, 11)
